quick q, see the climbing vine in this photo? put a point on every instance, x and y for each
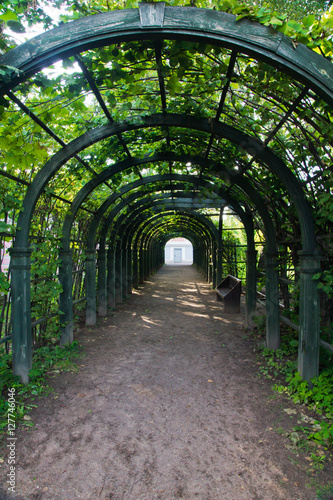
(258, 100)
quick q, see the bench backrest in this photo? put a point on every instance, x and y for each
(230, 282)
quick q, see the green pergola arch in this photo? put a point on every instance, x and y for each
(121, 225)
(158, 22)
(220, 192)
(66, 305)
(216, 28)
(203, 235)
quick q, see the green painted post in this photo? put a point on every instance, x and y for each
(251, 287)
(309, 314)
(214, 267)
(66, 296)
(219, 269)
(101, 283)
(147, 251)
(199, 257)
(272, 301)
(207, 264)
(124, 273)
(129, 270)
(144, 265)
(111, 284)
(141, 265)
(210, 264)
(21, 312)
(118, 274)
(150, 260)
(90, 287)
(135, 277)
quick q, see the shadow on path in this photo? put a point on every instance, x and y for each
(166, 405)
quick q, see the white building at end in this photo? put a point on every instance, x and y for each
(178, 251)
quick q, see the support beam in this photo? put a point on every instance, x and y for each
(90, 287)
(21, 312)
(272, 301)
(66, 296)
(309, 314)
(118, 274)
(102, 283)
(251, 287)
(111, 281)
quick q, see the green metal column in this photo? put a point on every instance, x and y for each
(210, 265)
(135, 273)
(219, 267)
(129, 270)
(214, 285)
(150, 260)
(101, 283)
(21, 312)
(111, 282)
(118, 274)
(90, 287)
(124, 273)
(144, 265)
(207, 263)
(309, 314)
(272, 301)
(141, 265)
(251, 287)
(66, 296)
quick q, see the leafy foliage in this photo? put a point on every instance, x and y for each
(280, 366)
(129, 78)
(47, 361)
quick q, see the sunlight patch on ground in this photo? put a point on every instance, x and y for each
(218, 318)
(147, 320)
(191, 304)
(196, 314)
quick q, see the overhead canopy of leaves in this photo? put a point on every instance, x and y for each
(140, 78)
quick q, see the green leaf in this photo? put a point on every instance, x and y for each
(16, 26)
(275, 21)
(8, 16)
(309, 20)
(295, 26)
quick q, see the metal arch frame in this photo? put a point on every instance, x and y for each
(251, 252)
(138, 231)
(153, 235)
(137, 223)
(272, 302)
(218, 192)
(65, 275)
(90, 262)
(60, 158)
(252, 146)
(210, 238)
(178, 195)
(161, 220)
(65, 252)
(213, 27)
(190, 179)
(272, 318)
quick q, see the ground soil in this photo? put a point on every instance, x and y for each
(167, 404)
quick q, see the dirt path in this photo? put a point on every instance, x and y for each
(166, 405)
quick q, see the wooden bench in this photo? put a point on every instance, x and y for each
(229, 290)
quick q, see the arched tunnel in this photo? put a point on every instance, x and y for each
(166, 116)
